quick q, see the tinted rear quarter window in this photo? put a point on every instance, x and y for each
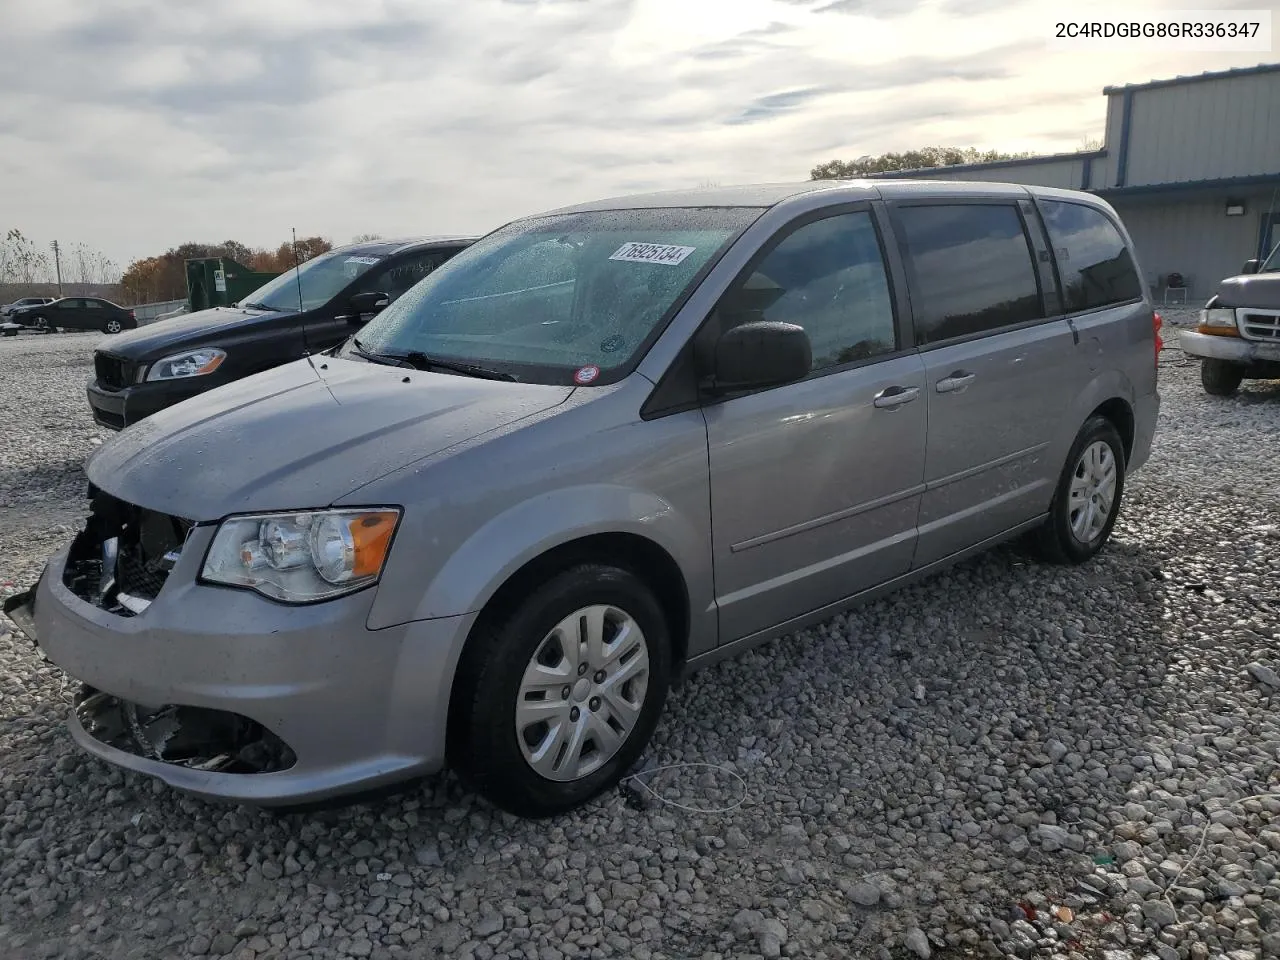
(971, 269)
(1095, 266)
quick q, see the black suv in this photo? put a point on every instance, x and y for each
(301, 312)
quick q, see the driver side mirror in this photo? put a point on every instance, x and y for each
(1250, 266)
(759, 354)
(363, 304)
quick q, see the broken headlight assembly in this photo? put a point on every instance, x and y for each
(302, 556)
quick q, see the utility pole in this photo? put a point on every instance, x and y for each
(57, 263)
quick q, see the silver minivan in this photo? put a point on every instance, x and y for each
(596, 450)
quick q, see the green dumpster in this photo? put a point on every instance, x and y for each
(220, 281)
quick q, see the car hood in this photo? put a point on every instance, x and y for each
(148, 342)
(302, 435)
(1251, 290)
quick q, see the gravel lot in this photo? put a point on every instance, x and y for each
(1008, 759)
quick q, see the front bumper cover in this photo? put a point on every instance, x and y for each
(357, 708)
(118, 409)
(1234, 349)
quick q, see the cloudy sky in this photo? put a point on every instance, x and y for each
(133, 125)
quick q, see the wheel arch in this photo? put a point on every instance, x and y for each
(1120, 412)
(644, 557)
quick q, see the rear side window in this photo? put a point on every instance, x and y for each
(971, 269)
(1093, 262)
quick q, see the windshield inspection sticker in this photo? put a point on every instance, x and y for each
(362, 260)
(584, 375)
(667, 253)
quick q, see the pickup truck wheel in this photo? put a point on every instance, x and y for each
(1087, 499)
(1220, 377)
(556, 700)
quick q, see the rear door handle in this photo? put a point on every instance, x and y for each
(890, 398)
(957, 381)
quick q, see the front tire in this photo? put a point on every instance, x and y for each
(1088, 496)
(556, 699)
(1221, 378)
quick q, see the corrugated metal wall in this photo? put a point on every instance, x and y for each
(1229, 127)
(1193, 236)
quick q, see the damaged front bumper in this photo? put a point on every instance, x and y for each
(194, 737)
(225, 694)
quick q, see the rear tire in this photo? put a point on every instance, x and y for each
(1221, 378)
(1088, 496)
(554, 700)
(112, 326)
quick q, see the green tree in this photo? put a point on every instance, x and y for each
(922, 159)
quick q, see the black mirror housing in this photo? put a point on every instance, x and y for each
(1250, 266)
(365, 303)
(758, 354)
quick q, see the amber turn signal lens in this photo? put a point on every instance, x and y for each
(371, 535)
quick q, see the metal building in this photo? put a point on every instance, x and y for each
(1191, 164)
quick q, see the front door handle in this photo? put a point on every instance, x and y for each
(890, 398)
(957, 381)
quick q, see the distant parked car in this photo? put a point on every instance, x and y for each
(297, 313)
(1238, 336)
(22, 302)
(76, 313)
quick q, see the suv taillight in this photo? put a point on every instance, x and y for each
(1157, 322)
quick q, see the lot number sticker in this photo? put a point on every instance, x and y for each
(667, 253)
(362, 259)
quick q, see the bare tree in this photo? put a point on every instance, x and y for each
(21, 261)
(1090, 144)
(90, 266)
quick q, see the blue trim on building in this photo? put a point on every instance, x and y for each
(1262, 179)
(1197, 78)
(989, 165)
(1126, 117)
(1086, 176)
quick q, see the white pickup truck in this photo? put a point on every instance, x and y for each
(1238, 336)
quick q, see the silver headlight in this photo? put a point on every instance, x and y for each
(191, 363)
(302, 556)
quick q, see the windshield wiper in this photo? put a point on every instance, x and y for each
(388, 360)
(263, 306)
(421, 361)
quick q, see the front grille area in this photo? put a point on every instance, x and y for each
(113, 373)
(121, 559)
(1262, 326)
